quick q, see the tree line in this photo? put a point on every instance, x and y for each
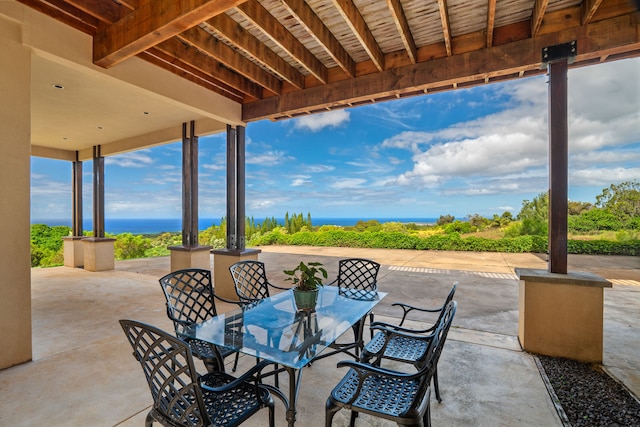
(616, 209)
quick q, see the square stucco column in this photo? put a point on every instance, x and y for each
(184, 257)
(15, 156)
(73, 250)
(99, 253)
(222, 260)
(561, 314)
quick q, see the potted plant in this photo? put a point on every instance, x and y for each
(307, 279)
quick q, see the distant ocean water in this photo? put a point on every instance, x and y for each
(159, 225)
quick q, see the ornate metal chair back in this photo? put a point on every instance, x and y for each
(168, 366)
(357, 277)
(189, 295)
(250, 280)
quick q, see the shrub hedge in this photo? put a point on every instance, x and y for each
(449, 242)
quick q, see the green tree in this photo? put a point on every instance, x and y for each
(536, 209)
(128, 246)
(622, 200)
(445, 219)
(577, 208)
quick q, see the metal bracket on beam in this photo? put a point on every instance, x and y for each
(558, 52)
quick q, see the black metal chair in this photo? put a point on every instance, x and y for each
(190, 299)
(402, 344)
(250, 280)
(384, 393)
(183, 398)
(358, 279)
(252, 286)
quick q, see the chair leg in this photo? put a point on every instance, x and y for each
(235, 363)
(272, 415)
(330, 411)
(148, 422)
(352, 420)
(435, 385)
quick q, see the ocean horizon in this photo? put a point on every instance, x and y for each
(173, 225)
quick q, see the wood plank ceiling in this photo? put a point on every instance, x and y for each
(284, 58)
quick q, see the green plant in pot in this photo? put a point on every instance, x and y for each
(307, 279)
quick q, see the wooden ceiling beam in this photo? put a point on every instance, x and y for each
(60, 10)
(316, 28)
(539, 9)
(173, 65)
(272, 28)
(245, 41)
(399, 18)
(356, 22)
(219, 51)
(491, 18)
(612, 36)
(105, 11)
(446, 26)
(153, 22)
(186, 54)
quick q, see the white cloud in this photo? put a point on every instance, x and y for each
(268, 158)
(136, 159)
(316, 122)
(604, 176)
(300, 180)
(345, 183)
(515, 140)
(319, 168)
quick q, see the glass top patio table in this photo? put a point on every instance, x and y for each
(273, 329)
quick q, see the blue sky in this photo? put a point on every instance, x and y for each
(480, 150)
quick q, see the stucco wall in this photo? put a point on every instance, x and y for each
(15, 271)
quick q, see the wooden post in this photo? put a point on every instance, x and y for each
(557, 59)
(189, 187)
(76, 214)
(98, 193)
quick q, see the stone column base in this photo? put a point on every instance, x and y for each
(222, 260)
(185, 257)
(99, 253)
(561, 314)
(73, 248)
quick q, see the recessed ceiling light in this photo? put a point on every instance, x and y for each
(58, 86)
(100, 127)
(146, 113)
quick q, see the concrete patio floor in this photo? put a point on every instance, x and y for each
(83, 373)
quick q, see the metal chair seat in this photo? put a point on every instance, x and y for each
(399, 348)
(388, 397)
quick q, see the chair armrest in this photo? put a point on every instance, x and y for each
(365, 369)
(406, 333)
(252, 375)
(407, 308)
(397, 328)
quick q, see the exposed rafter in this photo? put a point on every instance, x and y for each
(446, 26)
(261, 18)
(539, 9)
(589, 8)
(491, 18)
(243, 40)
(400, 20)
(232, 59)
(316, 28)
(356, 22)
